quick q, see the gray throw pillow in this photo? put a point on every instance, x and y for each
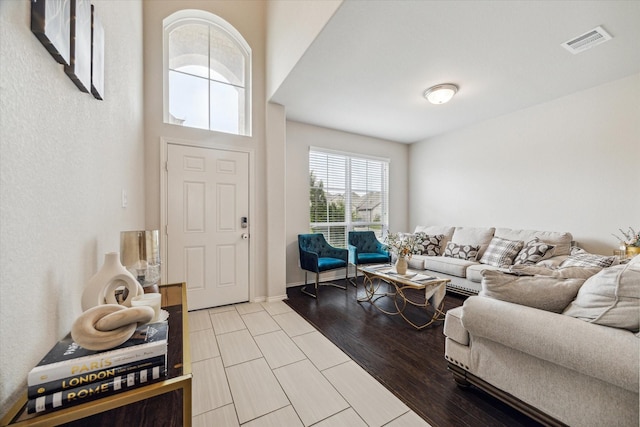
(584, 259)
(541, 292)
(501, 252)
(455, 250)
(533, 252)
(426, 244)
(610, 298)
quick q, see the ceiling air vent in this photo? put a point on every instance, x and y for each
(587, 40)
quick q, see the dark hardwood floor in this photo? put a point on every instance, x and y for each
(410, 363)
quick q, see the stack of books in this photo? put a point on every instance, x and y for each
(70, 374)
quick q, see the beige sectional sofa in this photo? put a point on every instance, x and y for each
(466, 274)
(561, 348)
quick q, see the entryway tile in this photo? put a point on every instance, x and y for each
(293, 324)
(280, 418)
(209, 385)
(249, 307)
(278, 349)
(237, 347)
(311, 395)
(225, 416)
(255, 390)
(260, 323)
(199, 320)
(203, 345)
(227, 321)
(365, 394)
(276, 307)
(410, 419)
(345, 418)
(222, 309)
(322, 352)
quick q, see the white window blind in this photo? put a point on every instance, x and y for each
(347, 192)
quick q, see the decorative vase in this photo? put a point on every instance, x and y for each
(633, 251)
(401, 265)
(112, 275)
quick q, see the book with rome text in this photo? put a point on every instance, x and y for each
(74, 396)
(67, 359)
(83, 379)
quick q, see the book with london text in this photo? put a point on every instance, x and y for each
(83, 379)
(74, 396)
(67, 358)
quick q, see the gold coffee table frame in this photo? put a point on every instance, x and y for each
(377, 275)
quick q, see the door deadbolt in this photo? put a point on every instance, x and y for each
(243, 222)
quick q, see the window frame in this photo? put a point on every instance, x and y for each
(348, 223)
(195, 16)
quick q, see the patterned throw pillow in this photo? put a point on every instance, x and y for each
(533, 252)
(585, 259)
(501, 252)
(468, 252)
(426, 244)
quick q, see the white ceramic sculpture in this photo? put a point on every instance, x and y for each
(108, 325)
(101, 287)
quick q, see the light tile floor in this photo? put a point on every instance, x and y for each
(263, 365)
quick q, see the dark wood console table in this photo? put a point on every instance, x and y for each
(165, 403)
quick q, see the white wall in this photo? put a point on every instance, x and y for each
(248, 17)
(291, 28)
(64, 159)
(302, 136)
(567, 165)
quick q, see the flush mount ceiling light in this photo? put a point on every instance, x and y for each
(440, 94)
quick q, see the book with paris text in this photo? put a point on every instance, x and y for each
(74, 396)
(82, 379)
(67, 359)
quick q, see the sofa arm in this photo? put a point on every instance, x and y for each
(609, 354)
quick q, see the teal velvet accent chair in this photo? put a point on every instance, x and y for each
(317, 256)
(365, 248)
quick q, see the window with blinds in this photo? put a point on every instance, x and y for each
(347, 193)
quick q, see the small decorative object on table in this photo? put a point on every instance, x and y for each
(402, 245)
(630, 242)
(140, 254)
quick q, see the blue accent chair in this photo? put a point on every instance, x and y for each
(365, 248)
(317, 256)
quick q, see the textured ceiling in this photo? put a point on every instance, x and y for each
(366, 71)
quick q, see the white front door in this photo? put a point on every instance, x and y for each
(207, 224)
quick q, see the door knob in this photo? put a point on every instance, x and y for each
(245, 236)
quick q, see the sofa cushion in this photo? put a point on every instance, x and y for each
(533, 252)
(473, 236)
(427, 244)
(584, 259)
(446, 231)
(541, 292)
(416, 262)
(501, 252)
(610, 298)
(561, 240)
(461, 251)
(453, 266)
(474, 272)
(562, 273)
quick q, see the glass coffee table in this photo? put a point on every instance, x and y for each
(378, 277)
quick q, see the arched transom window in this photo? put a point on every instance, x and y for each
(207, 81)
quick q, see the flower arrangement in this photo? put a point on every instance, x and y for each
(401, 244)
(631, 238)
